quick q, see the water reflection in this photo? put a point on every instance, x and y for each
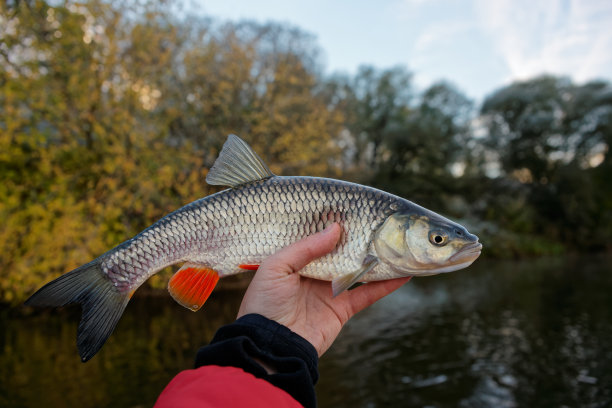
(153, 341)
(512, 334)
(502, 334)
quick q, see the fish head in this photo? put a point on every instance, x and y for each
(420, 242)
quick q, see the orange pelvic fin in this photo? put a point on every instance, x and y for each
(249, 267)
(191, 285)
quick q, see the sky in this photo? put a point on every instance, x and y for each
(478, 45)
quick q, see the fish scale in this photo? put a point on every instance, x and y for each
(383, 237)
(248, 232)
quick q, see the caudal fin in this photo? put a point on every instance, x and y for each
(102, 304)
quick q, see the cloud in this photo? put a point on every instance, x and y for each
(438, 34)
(478, 44)
(550, 36)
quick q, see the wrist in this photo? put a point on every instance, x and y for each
(266, 366)
(269, 351)
(274, 340)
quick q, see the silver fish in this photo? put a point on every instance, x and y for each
(384, 237)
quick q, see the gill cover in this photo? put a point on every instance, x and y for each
(390, 242)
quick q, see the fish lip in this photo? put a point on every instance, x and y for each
(469, 251)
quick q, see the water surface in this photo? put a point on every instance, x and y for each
(534, 333)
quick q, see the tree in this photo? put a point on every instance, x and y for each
(111, 115)
(554, 136)
(374, 101)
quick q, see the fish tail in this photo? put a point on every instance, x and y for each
(102, 304)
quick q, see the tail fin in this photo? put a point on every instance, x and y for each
(102, 304)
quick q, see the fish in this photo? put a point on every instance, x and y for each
(383, 237)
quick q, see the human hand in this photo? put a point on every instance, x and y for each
(304, 305)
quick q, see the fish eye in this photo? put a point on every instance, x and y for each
(438, 238)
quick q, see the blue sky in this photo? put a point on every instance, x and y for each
(479, 45)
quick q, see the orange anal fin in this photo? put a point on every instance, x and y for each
(191, 285)
(249, 267)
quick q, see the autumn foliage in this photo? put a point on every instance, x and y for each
(111, 115)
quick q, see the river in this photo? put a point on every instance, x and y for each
(532, 333)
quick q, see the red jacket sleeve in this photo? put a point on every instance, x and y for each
(251, 362)
(214, 386)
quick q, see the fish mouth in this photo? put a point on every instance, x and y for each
(468, 253)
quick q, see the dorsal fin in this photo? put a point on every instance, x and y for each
(237, 164)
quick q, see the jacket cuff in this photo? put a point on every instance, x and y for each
(293, 358)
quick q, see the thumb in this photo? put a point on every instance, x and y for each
(299, 254)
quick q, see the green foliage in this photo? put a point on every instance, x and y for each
(112, 114)
(553, 137)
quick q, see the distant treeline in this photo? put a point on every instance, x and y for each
(112, 114)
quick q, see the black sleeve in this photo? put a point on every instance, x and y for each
(253, 336)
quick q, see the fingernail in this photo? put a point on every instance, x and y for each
(328, 228)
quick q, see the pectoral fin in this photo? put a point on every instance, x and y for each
(191, 285)
(342, 283)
